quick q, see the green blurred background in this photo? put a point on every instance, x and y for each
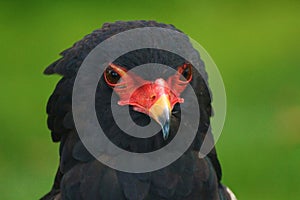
(254, 43)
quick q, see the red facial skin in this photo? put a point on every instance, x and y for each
(142, 94)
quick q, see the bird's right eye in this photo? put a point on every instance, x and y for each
(111, 76)
(113, 73)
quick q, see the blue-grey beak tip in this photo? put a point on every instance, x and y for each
(166, 129)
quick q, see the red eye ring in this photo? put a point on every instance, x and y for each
(112, 75)
(185, 73)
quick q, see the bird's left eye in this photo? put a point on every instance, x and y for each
(186, 72)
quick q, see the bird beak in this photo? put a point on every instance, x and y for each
(160, 111)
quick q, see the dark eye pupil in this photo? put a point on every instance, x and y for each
(114, 74)
(185, 73)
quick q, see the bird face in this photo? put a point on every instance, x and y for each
(153, 98)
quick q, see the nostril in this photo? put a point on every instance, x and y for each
(153, 97)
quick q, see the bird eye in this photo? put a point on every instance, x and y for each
(186, 72)
(111, 76)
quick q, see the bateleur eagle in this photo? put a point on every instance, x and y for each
(82, 177)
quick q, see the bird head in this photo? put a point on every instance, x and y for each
(155, 98)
